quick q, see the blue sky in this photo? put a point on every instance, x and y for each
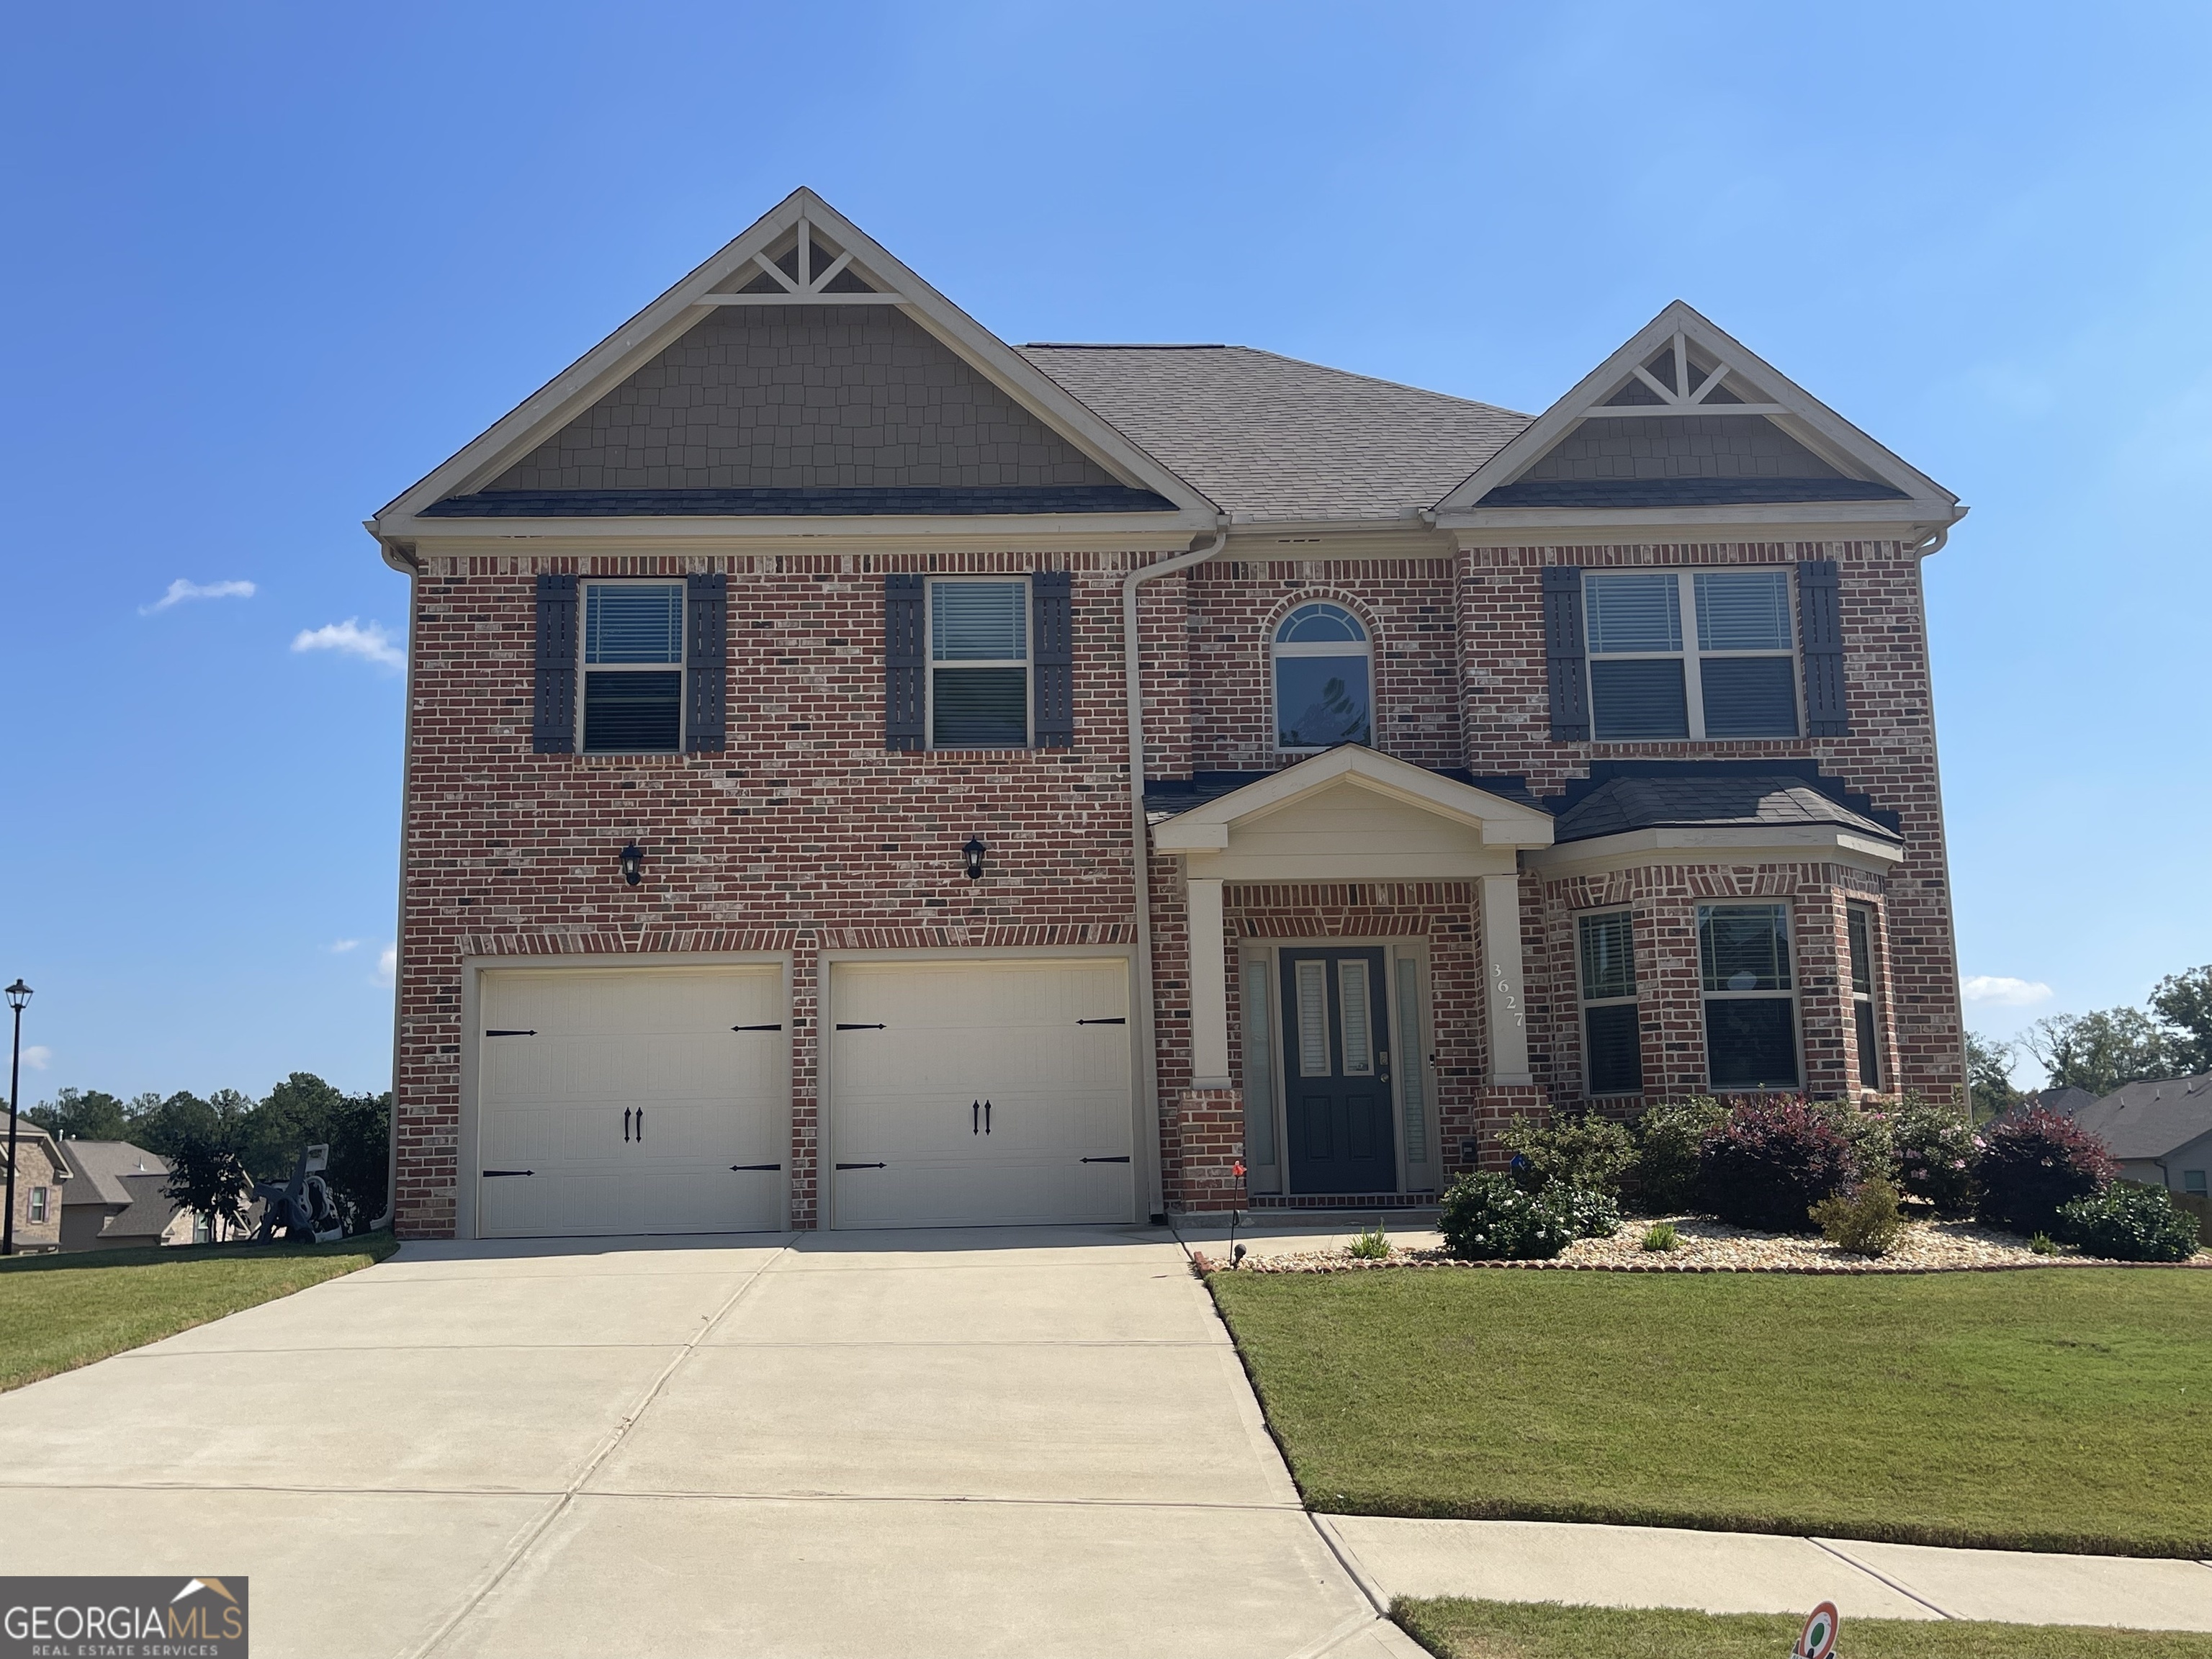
(270, 264)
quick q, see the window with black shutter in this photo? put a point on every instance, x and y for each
(1689, 654)
(633, 667)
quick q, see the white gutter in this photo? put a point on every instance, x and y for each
(1140, 836)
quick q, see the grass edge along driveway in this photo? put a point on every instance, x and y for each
(2048, 1411)
(59, 1312)
(1455, 1628)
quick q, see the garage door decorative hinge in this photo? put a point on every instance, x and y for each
(860, 1166)
(489, 1174)
(877, 1027)
(758, 1028)
(757, 1166)
(510, 1034)
(1117, 1020)
(1124, 1159)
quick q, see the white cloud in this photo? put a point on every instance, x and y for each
(36, 1056)
(180, 590)
(387, 964)
(370, 642)
(2004, 992)
(338, 947)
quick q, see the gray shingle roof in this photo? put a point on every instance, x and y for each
(104, 1165)
(1271, 438)
(2149, 1120)
(1650, 803)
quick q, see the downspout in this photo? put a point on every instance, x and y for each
(1139, 838)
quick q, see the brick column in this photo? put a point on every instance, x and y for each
(1209, 1144)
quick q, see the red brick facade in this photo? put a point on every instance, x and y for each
(808, 836)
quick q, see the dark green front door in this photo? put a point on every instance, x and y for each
(1336, 1044)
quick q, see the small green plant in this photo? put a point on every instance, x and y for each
(2043, 1244)
(2127, 1223)
(1660, 1237)
(1373, 1245)
(1865, 1222)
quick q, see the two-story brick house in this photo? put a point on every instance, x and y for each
(830, 728)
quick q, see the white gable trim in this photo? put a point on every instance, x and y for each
(1792, 407)
(645, 336)
(1500, 822)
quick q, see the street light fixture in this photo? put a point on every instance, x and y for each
(19, 995)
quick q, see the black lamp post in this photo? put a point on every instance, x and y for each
(973, 852)
(633, 864)
(18, 995)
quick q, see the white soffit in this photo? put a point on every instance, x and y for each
(1791, 408)
(694, 299)
(1501, 822)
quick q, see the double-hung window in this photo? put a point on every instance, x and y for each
(1751, 1006)
(633, 667)
(1612, 1049)
(38, 1206)
(979, 663)
(1691, 654)
(1866, 1026)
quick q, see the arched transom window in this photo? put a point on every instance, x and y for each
(1324, 681)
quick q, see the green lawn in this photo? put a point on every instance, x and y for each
(1454, 1629)
(2069, 1409)
(57, 1312)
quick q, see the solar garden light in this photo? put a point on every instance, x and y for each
(18, 995)
(633, 864)
(973, 852)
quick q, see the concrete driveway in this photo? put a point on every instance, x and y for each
(1022, 1442)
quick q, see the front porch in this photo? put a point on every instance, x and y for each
(1355, 1034)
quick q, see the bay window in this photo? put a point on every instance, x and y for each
(1613, 1047)
(1866, 1026)
(1749, 991)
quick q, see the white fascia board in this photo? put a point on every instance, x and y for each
(1842, 439)
(1499, 526)
(1501, 822)
(1729, 844)
(683, 306)
(1088, 532)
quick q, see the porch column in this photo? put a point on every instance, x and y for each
(1209, 986)
(1501, 972)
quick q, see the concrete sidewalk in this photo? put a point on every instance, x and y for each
(1749, 1572)
(1028, 1442)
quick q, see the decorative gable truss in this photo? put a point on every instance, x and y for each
(1683, 425)
(801, 373)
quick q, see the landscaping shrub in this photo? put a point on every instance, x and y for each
(1668, 1137)
(2026, 1168)
(2127, 1223)
(1932, 1154)
(1587, 1151)
(1592, 1214)
(1660, 1237)
(1770, 1161)
(1488, 1217)
(1865, 1222)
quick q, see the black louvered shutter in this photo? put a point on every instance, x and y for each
(553, 719)
(903, 636)
(1565, 653)
(1821, 631)
(1052, 660)
(706, 651)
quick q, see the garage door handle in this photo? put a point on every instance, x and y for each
(860, 1166)
(1124, 1159)
(625, 1125)
(987, 1117)
(843, 1027)
(640, 1126)
(1117, 1020)
(757, 1166)
(974, 1115)
(510, 1034)
(756, 1028)
(489, 1174)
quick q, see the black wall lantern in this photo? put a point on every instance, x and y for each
(633, 864)
(973, 852)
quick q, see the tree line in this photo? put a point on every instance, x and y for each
(263, 1138)
(2169, 1037)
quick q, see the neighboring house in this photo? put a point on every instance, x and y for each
(2160, 1133)
(117, 1201)
(40, 1179)
(771, 852)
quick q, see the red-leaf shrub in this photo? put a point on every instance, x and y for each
(2027, 1167)
(1770, 1161)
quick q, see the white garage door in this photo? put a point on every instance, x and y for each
(639, 1100)
(967, 1093)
